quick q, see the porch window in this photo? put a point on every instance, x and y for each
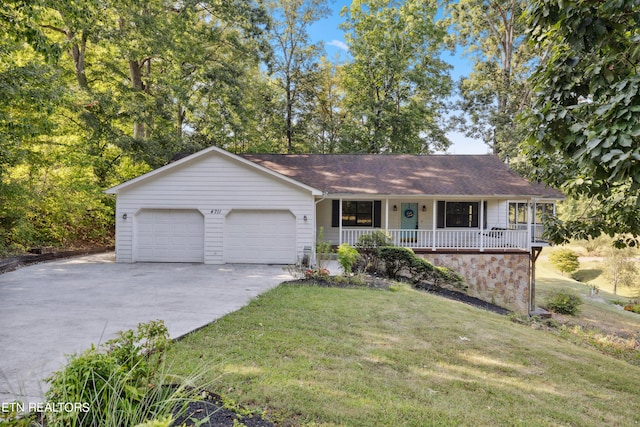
(543, 210)
(357, 213)
(460, 214)
(518, 213)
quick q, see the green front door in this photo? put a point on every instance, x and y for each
(409, 222)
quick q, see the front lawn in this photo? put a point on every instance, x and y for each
(328, 356)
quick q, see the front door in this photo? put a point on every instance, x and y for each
(409, 222)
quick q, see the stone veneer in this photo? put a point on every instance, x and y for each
(499, 278)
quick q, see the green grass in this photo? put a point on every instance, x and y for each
(356, 357)
(591, 271)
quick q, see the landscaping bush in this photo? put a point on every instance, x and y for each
(123, 383)
(564, 260)
(451, 277)
(563, 302)
(347, 256)
(367, 246)
(395, 259)
(403, 260)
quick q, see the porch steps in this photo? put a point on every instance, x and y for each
(540, 312)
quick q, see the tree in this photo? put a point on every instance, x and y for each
(584, 125)
(620, 268)
(564, 260)
(328, 113)
(396, 83)
(95, 92)
(295, 58)
(496, 91)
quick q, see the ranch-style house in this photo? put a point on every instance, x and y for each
(468, 212)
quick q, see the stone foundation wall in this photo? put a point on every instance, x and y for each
(502, 279)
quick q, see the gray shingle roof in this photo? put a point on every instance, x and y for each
(404, 174)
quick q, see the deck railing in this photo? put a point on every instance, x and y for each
(449, 239)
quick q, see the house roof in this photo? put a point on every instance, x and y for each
(404, 174)
(181, 160)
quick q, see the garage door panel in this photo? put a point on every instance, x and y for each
(261, 236)
(165, 235)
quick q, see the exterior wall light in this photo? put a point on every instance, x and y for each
(424, 208)
(124, 216)
(395, 208)
(304, 218)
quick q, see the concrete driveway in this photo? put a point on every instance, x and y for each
(58, 308)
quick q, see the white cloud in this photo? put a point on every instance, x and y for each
(339, 44)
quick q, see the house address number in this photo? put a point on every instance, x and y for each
(216, 211)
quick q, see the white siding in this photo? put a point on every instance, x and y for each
(496, 214)
(214, 185)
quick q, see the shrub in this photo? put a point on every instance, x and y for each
(374, 240)
(563, 302)
(564, 260)
(347, 256)
(395, 259)
(122, 383)
(451, 277)
(368, 245)
(403, 260)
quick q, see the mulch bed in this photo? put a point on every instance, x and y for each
(467, 299)
(210, 412)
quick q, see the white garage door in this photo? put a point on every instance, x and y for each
(260, 237)
(169, 235)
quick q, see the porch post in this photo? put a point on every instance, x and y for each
(482, 213)
(531, 212)
(434, 219)
(386, 215)
(340, 222)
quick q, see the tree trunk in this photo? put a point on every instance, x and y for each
(289, 118)
(77, 53)
(180, 120)
(135, 74)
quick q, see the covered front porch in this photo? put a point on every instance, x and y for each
(456, 224)
(503, 239)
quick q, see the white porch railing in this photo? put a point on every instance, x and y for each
(537, 231)
(448, 239)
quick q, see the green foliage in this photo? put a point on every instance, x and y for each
(376, 239)
(123, 384)
(294, 62)
(564, 260)
(621, 268)
(496, 91)
(403, 262)
(368, 245)
(584, 126)
(395, 259)
(395, 85)
(323, 249)
(93, 94)
(563, 302)
(347, 257)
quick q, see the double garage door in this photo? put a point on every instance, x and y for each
(250, 236)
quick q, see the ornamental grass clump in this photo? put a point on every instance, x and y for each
(122, 383)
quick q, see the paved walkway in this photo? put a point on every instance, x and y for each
(58, 308)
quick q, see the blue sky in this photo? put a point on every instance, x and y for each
(328, 32)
